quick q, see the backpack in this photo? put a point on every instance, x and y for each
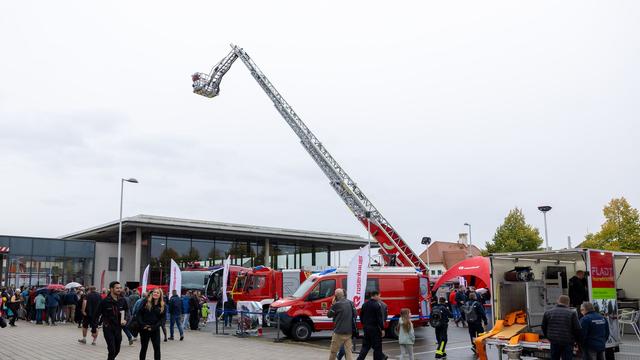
(354, 321)
(436, 318)
(469, 310)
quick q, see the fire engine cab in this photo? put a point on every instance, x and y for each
(266, 285)
(305, 311)
(208, 280)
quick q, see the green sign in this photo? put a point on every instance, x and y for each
(604, 293)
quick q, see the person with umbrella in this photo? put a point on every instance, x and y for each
(70, 303)
(52, 302)
(40, 305)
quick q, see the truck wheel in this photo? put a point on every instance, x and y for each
(301, 331)
(391, 332)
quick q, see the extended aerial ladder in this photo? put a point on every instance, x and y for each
(391, 244)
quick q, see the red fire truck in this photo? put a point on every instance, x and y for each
(266, 285)
(209, 279)
(395, 250)
(306, 310)
(206, 279)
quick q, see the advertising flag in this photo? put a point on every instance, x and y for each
(175, 281)
(357, 276)
(145, 279)
(102, 280)
(602, 283)
(602, 275)
(225, 278)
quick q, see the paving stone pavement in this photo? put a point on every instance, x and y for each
(37, 342)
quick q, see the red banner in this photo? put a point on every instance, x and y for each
(602, 274)
(102, 280)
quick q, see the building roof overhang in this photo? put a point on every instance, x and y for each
(171, 225)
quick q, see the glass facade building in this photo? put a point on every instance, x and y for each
(41, 261)
(243, 251)
(156, 240)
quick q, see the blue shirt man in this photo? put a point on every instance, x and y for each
(595, 332)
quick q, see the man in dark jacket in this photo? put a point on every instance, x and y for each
(70, 303)
(372, 321)
(194, 311)
(595, 332)
(578, 291)
(343, 314)
(175, 311)
(52, 302)
(461, 298)
(440, 316)
(111, 312)
(133, 298)
(473, 313)
(560, 325)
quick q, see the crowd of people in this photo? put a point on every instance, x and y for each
(120, 310)
(566, 330)
(373, 315)
(113, 311)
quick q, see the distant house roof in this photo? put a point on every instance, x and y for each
(448, 253)
(177, 225)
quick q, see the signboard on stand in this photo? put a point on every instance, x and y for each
(602, 286)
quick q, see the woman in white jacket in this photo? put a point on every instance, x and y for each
(406, 335)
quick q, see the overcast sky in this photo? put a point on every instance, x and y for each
(443, 113)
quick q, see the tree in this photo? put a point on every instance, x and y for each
(515, 235)
(620, 230)
(166, 255)
(191, 256)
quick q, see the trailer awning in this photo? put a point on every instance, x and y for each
(478, 267)
(560, 255)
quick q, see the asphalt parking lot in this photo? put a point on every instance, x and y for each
(458, 347)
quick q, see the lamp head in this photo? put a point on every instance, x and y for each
(467, 224)
(544, 208)
(426, 240)
(131, 180)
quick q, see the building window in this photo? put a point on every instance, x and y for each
(439, 272)
(321, 254)
(203, 249)
(113, 264)
(433, 272)
(283, 256)
(306, 256)
(178, 249)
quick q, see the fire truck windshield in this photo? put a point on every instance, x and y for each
(304, 287)
(255, 282)
(194, 280)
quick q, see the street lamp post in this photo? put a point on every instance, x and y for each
(427, 241)
(469, 254)
(134, 181)
(544, 210)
